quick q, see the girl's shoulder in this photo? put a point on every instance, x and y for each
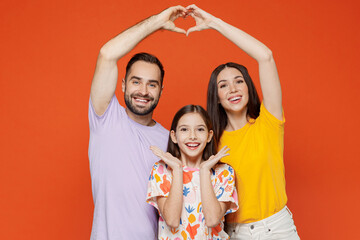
(221, 168)
(160, 166)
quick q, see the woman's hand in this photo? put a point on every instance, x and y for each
(203, 19)
(213, 160)
(169, 159)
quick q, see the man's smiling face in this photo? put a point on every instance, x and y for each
(142, 87)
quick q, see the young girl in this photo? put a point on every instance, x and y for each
(192, 195)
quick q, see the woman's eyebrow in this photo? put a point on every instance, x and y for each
(222, 81)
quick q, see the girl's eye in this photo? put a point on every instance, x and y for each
(183, 129)
(222, 85)
(201, 129)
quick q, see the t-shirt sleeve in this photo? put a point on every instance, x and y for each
(113, 113)
(159, 183)
(270, 120)
(224, 188)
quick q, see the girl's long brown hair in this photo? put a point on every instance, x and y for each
(210, 148)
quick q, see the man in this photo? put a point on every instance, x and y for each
(120, 158)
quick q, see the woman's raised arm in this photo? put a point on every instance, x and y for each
(269, 79)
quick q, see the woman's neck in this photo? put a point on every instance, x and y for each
(236, 120)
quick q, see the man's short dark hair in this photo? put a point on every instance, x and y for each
(146, 57)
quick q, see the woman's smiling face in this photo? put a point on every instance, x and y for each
(233, 92)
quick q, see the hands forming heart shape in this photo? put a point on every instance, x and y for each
(203, 19)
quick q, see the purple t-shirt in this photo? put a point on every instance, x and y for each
(120, 165)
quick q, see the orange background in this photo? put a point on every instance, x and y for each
(48, 55)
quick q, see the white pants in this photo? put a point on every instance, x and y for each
(279, 226)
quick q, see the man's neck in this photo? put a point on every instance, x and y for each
(145, 120)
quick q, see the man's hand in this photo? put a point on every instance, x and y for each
(168, 16)
(106, 74)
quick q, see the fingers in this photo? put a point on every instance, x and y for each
(192, 29)
(166, 156)
(171, 27)
(191, 7)
(225, 148)
(211, 162)
(154, 148)
(224, 151)
(176, 12)
(178, 30)
(172, 13)
(171, 161)
(201, 22)
(157, 151)
(179, 8)
(194, 10)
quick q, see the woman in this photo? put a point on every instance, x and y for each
(254, 132)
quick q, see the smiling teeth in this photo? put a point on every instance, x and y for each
(235, 98)
(141, 100)
(192, 145)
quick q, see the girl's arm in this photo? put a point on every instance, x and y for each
(170, 207)
(213, 210)
(269, 79)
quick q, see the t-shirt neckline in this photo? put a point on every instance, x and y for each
(141, 125)
(251, 121)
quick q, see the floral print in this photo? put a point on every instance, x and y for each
(192, 221)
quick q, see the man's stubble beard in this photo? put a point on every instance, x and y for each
(136, 110)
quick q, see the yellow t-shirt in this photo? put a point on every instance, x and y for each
(256, 154)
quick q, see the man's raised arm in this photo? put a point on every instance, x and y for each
(106, 73)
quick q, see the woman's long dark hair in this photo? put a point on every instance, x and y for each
(217, 113)
(210, 148)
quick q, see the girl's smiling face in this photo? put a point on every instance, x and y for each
(191, 135)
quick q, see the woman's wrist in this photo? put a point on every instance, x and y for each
(216, 23)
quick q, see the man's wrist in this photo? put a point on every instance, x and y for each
(157, 20)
